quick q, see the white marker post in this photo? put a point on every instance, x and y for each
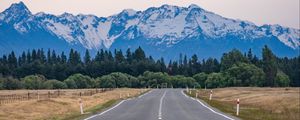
(120, 95)
(190, 91)
(196, 94)
(81, 106)
(127, 94)
(210, 96)
(187, 89)
(237, 106)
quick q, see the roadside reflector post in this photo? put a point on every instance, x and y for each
(190, 92)
(210, 96)
(81, 106)
(187, 89)
(237, 106)
(196, 94)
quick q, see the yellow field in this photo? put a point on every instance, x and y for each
(57, 108)
(258, 103)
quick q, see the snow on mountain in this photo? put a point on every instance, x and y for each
(288, 36)
(165, 25)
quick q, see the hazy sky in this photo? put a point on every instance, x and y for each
(283, 12)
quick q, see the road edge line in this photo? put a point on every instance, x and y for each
(105, 110)
(145, 94)
(207, 107)
(113, 107)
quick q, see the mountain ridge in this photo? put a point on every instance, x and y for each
(161, 27)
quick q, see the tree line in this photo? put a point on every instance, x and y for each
(135, 69)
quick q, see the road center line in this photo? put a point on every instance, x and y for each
(160, 106)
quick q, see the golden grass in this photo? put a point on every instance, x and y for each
(58, 108)
(257, 103)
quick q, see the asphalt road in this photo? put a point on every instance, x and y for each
(164, 104)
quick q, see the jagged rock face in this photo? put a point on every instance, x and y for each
(164, 28)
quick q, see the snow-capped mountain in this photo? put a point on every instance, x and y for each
(162, 31)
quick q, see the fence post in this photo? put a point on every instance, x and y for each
(81, 106)
(28, 96)
(237, 106)
(38, 95)
(210, 96)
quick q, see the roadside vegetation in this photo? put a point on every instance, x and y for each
(255, 103)
(35, 70)
(65, 107)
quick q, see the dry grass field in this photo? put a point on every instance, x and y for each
(63, 107)
(257, 103)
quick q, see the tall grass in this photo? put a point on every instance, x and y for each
(247, 111)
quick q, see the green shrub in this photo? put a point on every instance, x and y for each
(34, 81)
(80, 80)
(54, 84)
(243, 74)
(215, 80)
(71, 84)
(10, 83)
(282, 80)
(200, 78)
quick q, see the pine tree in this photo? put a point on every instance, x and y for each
(128, 55)
(33, 55)
(53, 57)
(250, 55)
(28, 57)
(139, 54)
(119, 56)
(87, 57)
(12, 60)
(269, 66)
(63, 57)
(42, 56)
(23, 59)
(49, 61)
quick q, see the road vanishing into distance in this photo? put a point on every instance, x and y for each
(162, 104)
